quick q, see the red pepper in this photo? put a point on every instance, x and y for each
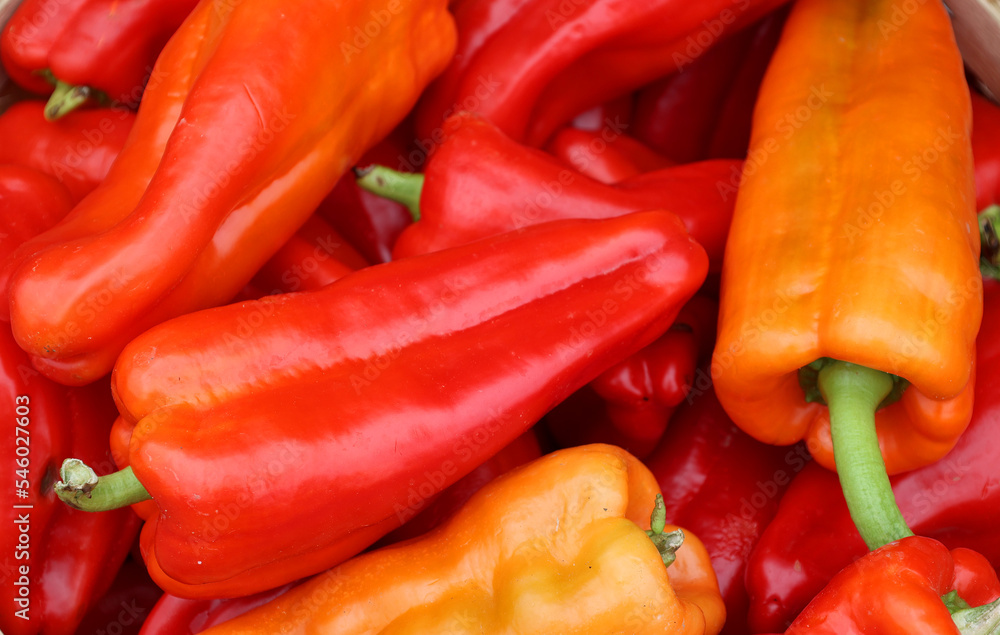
(30, 202)
(725, 486)
(103, 45)
(180, 616)
(618, 111)
(607, 155)
(480, 183)
(78, 149)
(521, 450)
(704, 110)
(898, 588)
(986, 150)
(125, 606)
(326, 384)
(954, 500)
(631, 403)
(314, 256)
(49, 589)
(530, 66)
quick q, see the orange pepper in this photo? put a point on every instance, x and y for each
(556, 546)
(855, 239)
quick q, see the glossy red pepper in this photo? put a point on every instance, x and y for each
(616, 110)
(530, 66)
(954, 500)
(125, 606)
(49, 588)
(93, 45)
(607, 155)
(631, 403)
(314, 256)
(703, 111)
(898, 588)
(986, 150)
(480, 183)
(472, 345)
(30, 202)
(78, 149)
(725, 486)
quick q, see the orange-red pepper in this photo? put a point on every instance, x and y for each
(556, 546)
(236, 144)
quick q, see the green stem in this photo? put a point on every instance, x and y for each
(981, 620)
(65, 99)
(989, 259)
(853, 393)
(401, 187)
(82, 489)
(666, 543)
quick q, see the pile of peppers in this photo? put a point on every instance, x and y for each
(497, 316)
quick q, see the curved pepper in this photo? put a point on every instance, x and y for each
(898, 589)
(244, 414)
(78, 150)
(30, 202)
(49, 588)
(231, 153)
(180, 616)
(954, 500)
(572, 557)
(88, 45)
(607, 155)
(725, 486)
(986, 150)
(481, 183)
(530, 66)
(828, 254)
(616, 111)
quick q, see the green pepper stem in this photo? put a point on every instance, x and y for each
(852, 394)
(401, 187)
(666, 543)
(82, 489)
(989, 259)
(65, 99)
(981, 620)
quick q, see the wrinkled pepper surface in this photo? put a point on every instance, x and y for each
(240, 142)
(953, 500)
(78, 150)
(828, 252)
(480, 183)
(530, 66)
(82, 46)
(558, 547)
(898, 589)
(244, 414)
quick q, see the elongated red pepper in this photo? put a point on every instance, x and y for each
(986, 150)
(88, 45)
(953, 500)
(30, 202)
(703, 110)
(898, 588)
(607, 155)
(78, 150)
(725, 486)
(307, 391)
(530, 66)
(481, 183)
(241, 142)
(46, 587)
(180, 616)
(615, 110)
